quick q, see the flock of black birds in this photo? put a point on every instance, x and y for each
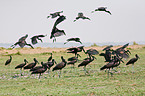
(55, 31)
(113, 57)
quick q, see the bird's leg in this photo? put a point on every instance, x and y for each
(108, 73)
(39, 76)
(85, 70)
(53, 74)
(132, 68)
(21, 72)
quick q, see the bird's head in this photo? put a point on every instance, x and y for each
(36, 60)
(137, 56)
(25, 61)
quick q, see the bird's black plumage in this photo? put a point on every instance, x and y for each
(21, 65)
(60, 65)
(56, 33)
(73, 39)
(55, 14)
(31, 65)
(107, 47)
(80, 15)
(8, 61)
(40, 70)
(91, 52)
(59, 20)
(22, 42)
(37, 37)
(133, 60)
(50, 58)
(102, 9)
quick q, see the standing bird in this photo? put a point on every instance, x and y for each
(102, 9)
(50, 58)
(61, 65)
(31, 65)
(114, 63)
(56, 33)
(34, 38)
(59, 20)
(20, 66)
(85, 62)
(8, 61)
(107, 55)
(54, 15)
(40, 70)
(132, 61)
(80, 15)
(22, 42)
(73, 39)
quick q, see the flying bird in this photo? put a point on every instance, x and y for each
(56, 33)
(59, 20)
(22, 42)
(73, 39)
(80, 15)
(37, 37)
(54, 15)
(102, 9)
(92, 52)
(107, 47)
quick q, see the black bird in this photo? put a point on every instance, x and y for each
(56, 33)
(73, 39)
(85, 62)
(72, 61)
(61, 65)
(37, 67)
(54, 15)
(132, 61)
(91, 52)
(107, 55)
(73, 58)
(50, 58)
(114, 63)
(122, 52)
(80, 15)
(20, 66)
(50, 64)
(40, 70)
(81, 48)
(59, 20)
(31, 65)
(102, 9)
(22, 42)
(8, 61)
(34, 39)
(75, 50)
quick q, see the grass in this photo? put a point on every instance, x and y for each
(73, 82)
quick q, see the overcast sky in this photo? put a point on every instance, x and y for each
(126, 24)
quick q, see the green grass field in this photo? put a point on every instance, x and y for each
(73, 82)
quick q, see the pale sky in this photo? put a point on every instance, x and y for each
(21, 17)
